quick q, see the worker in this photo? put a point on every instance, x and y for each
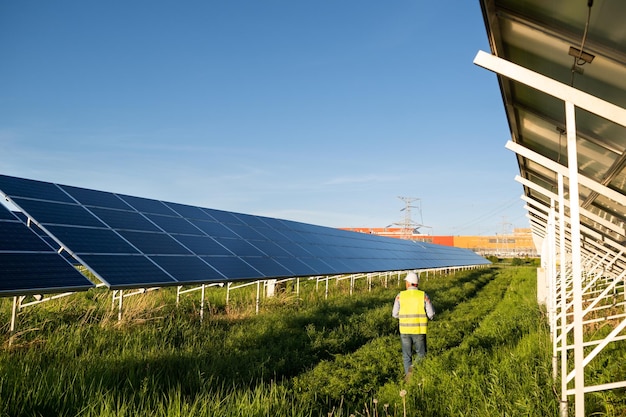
(413, 308)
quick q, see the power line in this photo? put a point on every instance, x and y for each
(489, 214)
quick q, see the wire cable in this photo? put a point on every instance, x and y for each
(577, 60)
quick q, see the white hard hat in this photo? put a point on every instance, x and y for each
(412, 278)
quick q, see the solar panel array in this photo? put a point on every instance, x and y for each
(129, 241)
(28, 265)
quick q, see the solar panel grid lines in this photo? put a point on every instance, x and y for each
(120, 271)
(16, 237)
(28, 265)
(5, 214)
(132, 241)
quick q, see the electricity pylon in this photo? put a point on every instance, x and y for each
(408, 225)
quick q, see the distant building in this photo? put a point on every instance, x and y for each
(517, 244)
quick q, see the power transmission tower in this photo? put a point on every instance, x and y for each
(408, 226)
(506, 227)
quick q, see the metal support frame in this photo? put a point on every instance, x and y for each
(591, 265)
(118, 295)
(202, 288)
(230, 287)
(18, 304)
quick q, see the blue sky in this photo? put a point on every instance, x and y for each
(320, 111)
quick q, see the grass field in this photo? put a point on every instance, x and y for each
(489, 354)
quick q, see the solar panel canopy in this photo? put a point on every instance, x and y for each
(29, 265)
(561, 68)
(129, 241)
(547, 38)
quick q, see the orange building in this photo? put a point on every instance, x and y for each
(519, 243)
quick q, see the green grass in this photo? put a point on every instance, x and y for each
(489, 354)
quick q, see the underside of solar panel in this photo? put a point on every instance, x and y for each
(132, 242)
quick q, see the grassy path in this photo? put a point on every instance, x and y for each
(488, 355)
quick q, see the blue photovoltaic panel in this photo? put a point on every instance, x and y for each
(322, 266)
(128, 271)
(233, 267)
(214, 229)
(272, 234)
(172, 224)
(19, 187)
(246, 232)
(224, 217)
(188, 268)
(145, 205)
(239, 247)
(124, 220)
(268, 267)
(270, 249)
(93, 198)
(38, 273)
(253, 221)
(58, 213)
(5, 214)
(44, 236)
(28, 265)
(190, 212)
(16, 237)
(300, 268)
(81, 240)
(131, 241)
(154, 243)
(203, 245)
(296, 250)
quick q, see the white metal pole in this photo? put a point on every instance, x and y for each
(201, 304)
(298, 288)
(227, 294)
(258, 295)
(563, 301)
(572, 158)
(119, 308)
(550, 281)
(326, 292)
(13, 314)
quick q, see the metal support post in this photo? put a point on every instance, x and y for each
(258, 295)
(572, 158)
(119, 311)
(14, 314)
(551, 285)
(227, 294)
(202, 303)
(326, 291)
(298, 288)
(563, 299)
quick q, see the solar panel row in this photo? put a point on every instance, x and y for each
(131, 242)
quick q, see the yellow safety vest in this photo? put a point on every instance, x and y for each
(413, 318)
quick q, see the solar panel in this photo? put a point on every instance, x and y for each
(188, 268)
(127, 271)
(129, 241)
(28, 265)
